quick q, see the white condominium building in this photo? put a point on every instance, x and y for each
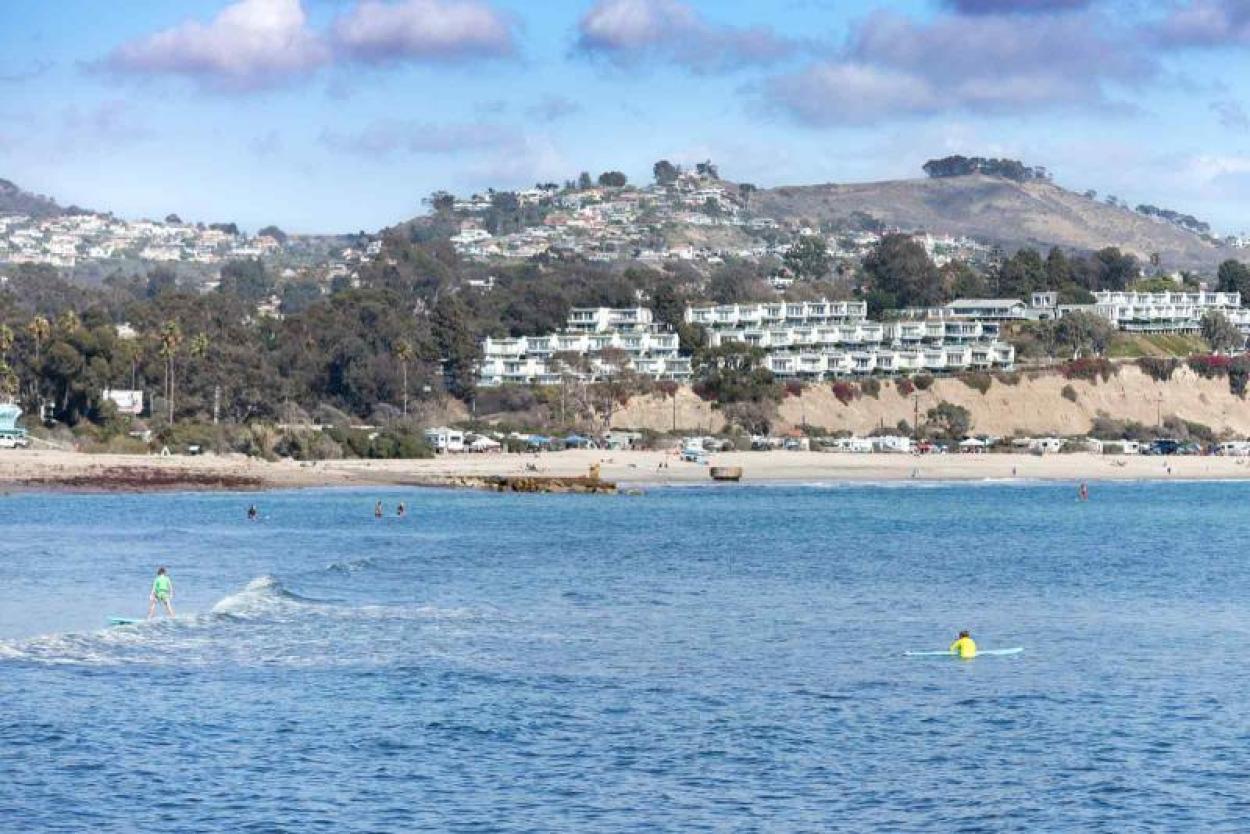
(580, 350)
(767, 315)
(1168, 311)
(811, 340)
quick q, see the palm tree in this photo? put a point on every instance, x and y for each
(199, 345)
(8, 381)
(40, 330)
(68, 322)
(403, 352)
(171, 340)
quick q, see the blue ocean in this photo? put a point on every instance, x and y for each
(691, 659)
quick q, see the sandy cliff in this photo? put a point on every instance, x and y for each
(1033, 406)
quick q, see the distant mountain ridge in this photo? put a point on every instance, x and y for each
(1037, 214)
(14, 200)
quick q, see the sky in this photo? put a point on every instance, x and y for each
(326, 116)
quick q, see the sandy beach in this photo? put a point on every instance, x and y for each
(52, 470)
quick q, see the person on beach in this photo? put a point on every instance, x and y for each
(377, 510)
(965, 647)
(162, 592)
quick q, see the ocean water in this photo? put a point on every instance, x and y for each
(693, 659)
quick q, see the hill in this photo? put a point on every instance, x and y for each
(1012, 214)
(14, 200)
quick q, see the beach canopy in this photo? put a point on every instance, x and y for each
(971, 443)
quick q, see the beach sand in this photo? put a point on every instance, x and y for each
(28, 469)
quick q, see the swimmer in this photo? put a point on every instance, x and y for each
(252, 513)
(1083, 493)
(377, 510)
(401, 510)
(965, 647)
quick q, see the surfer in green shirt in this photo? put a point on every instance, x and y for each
(162, 591)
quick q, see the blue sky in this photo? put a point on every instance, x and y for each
(338, 115)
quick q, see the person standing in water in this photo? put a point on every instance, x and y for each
(1083, 492)
(252, 513)
(401, 510)
(377, 510)
(162, 592)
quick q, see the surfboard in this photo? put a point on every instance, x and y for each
(980, 653)
(121, 621)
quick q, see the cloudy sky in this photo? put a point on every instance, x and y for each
(338, 115)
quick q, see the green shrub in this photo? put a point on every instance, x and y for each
(871, 388)
(923, 381)
(977, 380)
(1069, 393)
(1158, 368)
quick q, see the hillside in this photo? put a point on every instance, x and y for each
(14, 200)
(1032, 406)
(1013, 214)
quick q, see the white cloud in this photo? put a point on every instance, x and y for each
(625, 31)
(424, 30)
(894, 66)
(250, 44)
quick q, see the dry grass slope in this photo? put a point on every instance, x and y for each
(989, 208)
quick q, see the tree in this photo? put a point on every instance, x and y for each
(273, 232)
(246, 279)
(734, 372)
(808, 258)
(1021, 275)
(666, 173)
(6, 343)
(745, 190)
(403, 352)
(40, 330)
(584, 181)
(161, 280)
(170, 341)
(441, 201)
(962, 281)
(458, 345)
(948, 420)
(612, 179)
(1220, 333)
(1081, 332)
(173, 220)
(1234, 276)
(899, 273)
(570, 365)
(1112, 269)
(707, 169)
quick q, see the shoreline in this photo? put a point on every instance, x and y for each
(57, 471)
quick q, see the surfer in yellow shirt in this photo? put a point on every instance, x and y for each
(965, 646)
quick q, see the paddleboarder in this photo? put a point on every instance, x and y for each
(162, 592)
(965, 647)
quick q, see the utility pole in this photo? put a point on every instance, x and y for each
(216, 402)
(915, 420)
